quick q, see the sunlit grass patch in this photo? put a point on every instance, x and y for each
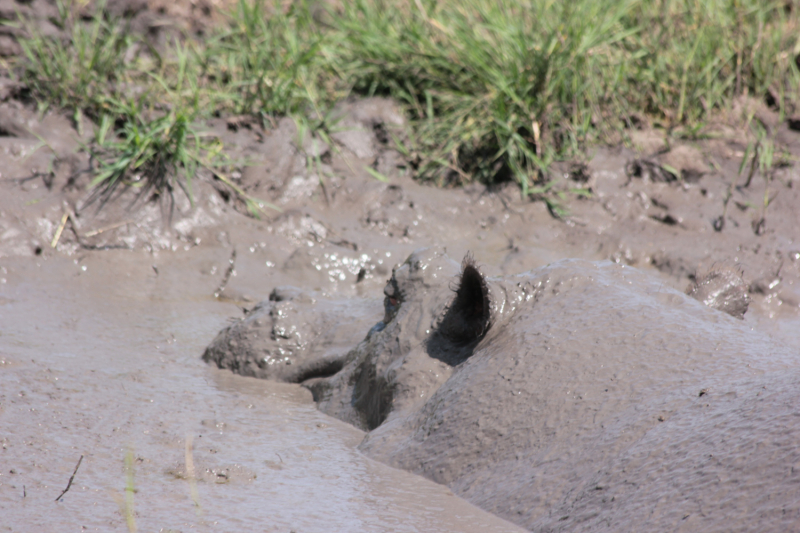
(499, 89)
(265, 62)
(494, 91)
(86, 71)
(694, 57)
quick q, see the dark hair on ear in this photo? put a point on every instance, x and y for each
(468, 317)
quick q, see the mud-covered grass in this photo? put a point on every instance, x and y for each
(493, 91)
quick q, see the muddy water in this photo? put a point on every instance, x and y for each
(99, 357)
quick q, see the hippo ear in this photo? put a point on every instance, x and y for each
(468, 317)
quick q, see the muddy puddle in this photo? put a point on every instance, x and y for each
(99, 357)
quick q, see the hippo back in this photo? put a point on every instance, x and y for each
(584, 365)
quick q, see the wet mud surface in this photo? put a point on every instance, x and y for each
(637, 408)
(100, 359)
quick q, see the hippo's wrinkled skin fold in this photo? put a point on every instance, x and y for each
(578, 397)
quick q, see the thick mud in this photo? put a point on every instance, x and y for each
(106, 313)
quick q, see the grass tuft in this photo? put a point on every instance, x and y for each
(497, 90)
(148, 155)
(265, 62)
(86, 70)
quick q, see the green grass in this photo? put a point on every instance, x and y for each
(502, 88)
(493, 91)
(88, 73)
(146, 155)
(264, 62)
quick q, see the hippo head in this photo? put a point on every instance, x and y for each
(435, 313)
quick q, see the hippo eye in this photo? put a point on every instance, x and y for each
(392, 300)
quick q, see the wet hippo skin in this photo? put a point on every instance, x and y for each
(582, 396)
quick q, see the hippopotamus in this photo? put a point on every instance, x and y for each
(582, 396)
